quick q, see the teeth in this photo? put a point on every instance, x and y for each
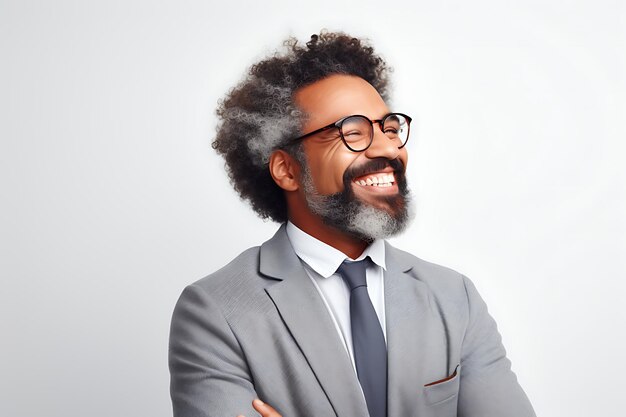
(383, 180)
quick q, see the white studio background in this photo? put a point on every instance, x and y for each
(113, 201)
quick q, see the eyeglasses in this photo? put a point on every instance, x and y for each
(357, 131)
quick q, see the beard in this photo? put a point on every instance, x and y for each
(348, 213)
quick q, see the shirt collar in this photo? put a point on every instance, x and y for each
(323, 258)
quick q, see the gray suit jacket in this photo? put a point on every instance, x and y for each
(258, 328)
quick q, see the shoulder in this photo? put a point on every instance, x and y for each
(232, 290)
(238, 280)
(241, 268)
(442, 281)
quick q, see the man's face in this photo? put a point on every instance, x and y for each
(339, 184)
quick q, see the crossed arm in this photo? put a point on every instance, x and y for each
(210, 375)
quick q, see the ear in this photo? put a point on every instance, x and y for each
(284, 170)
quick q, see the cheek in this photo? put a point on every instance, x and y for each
(331, 176)
(328, 167)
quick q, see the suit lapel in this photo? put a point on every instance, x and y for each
(407, 317)
(305, 315)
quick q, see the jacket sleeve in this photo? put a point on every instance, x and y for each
(209, 374)
(489, 388)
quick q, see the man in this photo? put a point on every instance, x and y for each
(326, 318)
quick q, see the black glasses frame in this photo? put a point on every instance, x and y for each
(338, 124)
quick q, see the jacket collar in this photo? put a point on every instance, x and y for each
(304, 313)
(278, 259)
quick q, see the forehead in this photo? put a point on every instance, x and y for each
(338, 96)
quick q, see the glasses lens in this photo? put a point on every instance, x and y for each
(396, 127)
(357, 132)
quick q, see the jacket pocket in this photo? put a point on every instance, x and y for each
(443, 390)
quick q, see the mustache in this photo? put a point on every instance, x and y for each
(374, 165)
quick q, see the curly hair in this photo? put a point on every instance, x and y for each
(259, 115)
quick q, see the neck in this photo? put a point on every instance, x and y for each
(314, 226)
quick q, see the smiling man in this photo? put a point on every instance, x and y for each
(347, 187)
(326, 318)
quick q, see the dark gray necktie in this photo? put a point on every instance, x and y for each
(368, 341)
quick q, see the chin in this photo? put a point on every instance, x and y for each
(372, 223)
(344, 211)
(363, 212)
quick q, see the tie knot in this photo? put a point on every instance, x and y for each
(354, 273)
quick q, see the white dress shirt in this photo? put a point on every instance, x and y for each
(321, 262)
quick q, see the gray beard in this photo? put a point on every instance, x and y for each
(345, 212)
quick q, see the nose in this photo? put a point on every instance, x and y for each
(382, 146)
